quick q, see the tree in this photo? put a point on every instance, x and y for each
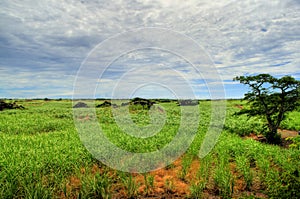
(272, 98)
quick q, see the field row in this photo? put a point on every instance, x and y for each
(42, 156)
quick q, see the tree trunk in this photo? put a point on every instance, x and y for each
(272, 136)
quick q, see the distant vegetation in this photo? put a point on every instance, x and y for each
(188, 102)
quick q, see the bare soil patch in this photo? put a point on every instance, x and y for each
(287, 133)
(284, 135)
(238, 106)
(167, 183)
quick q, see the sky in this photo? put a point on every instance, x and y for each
(153, 49)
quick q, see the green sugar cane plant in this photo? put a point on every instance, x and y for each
(149, 182)
(186, 162)
(243, 166)
(41, 152)
(223, 178)
(130, 185)
(97, 186)
(202, 177)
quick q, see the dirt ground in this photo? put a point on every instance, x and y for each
(287, 133)
(284, 134)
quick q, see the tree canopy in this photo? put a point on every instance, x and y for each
(272, 98)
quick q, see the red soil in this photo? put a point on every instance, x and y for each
(167, 183)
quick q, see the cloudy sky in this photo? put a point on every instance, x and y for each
(144, 48)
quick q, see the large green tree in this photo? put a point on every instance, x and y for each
(271, 98)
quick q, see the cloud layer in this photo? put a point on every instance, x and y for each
(43, 43)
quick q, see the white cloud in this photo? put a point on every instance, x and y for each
(53, 37)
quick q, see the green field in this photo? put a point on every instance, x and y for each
(41, 156)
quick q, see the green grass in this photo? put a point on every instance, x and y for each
(40, 154)
(41, 162)
(292, 121)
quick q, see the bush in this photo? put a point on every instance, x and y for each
(244, 125)
(295, 142)
(80, 105)
(9, 105)
(106, 104)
